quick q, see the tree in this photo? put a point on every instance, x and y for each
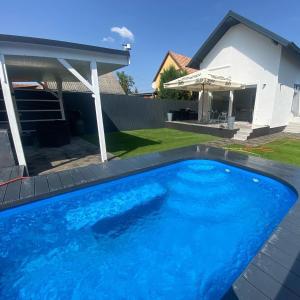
(126, 82)
(167, 75)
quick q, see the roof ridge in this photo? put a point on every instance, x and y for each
(232, 18)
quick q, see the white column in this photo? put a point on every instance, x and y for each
(205, 106)
(200, 104)
(230, 104)
(11, 112)
(60, 98)
(96, 91)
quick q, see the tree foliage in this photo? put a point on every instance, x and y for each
(126, 82)
(167, 75)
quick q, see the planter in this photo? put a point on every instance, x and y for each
(230, 122)
(170, 117)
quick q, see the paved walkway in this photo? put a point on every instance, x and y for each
(78, 153)
(81, 153)
(254, 142)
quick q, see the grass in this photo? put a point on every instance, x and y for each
(283, 150)
(136, 142)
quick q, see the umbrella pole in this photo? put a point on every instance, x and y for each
(202, 102)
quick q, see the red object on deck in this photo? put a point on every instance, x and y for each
(12, 180)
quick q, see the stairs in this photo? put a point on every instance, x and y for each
(242, 134)
(293, 126)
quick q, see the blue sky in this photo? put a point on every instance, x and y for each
(156, 26)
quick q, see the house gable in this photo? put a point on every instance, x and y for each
(230, 20)
(166, 63)
(179, 61)
(243, 54)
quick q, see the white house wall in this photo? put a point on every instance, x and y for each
(289, 75)
(250, 58)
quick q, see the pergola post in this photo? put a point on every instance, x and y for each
(60, 98)
(230, 104)
(94, 88)
(11, 112)
(96, 91)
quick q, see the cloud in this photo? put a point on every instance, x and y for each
(108, 39)
(123, 32)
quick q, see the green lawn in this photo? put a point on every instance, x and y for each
(132, 143)
(283, 150)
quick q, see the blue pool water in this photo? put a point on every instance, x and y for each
(183, 231)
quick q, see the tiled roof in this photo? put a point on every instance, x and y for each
(108, 84)
(182, 61)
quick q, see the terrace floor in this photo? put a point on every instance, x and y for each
(78, 153)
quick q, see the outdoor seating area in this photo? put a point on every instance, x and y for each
(184, 114)
(215, 116)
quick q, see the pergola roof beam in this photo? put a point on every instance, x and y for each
(75, 73)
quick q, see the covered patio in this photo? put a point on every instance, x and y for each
(26, 59)
(206, 83)
(231, 121)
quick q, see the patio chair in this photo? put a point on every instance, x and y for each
(214, 116)
(223, 117)
(53, 134)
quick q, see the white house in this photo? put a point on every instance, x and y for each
(266, 63)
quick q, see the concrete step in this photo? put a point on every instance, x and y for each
(242, 134)
(295, 120)
(238, 138)
(289, 130)
(293, 127)
(245, 130)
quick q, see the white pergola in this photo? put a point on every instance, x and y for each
(26, 59)
(204, 82)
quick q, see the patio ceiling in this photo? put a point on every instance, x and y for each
(28, 68)
(35, 59)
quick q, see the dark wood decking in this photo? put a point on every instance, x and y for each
(10, 191)
(274, 273)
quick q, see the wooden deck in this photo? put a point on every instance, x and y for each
(20, 191)
(7, 192)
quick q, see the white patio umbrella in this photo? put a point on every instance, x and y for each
(204, 81)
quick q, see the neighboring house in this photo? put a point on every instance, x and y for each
(108, 84)
(265, 62)
(179, 61)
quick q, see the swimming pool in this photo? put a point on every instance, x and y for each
(183, 231)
